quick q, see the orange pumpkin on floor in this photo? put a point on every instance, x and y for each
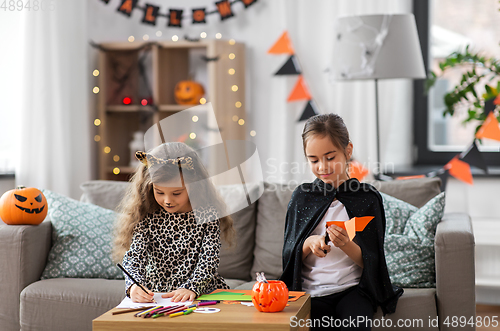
(270, 297)
(188, 92)
(23, 205)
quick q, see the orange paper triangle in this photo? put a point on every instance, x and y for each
(300, 91)
(489, 129)
(282, 46)
(355, 224)
(460, 170)
(356, 170)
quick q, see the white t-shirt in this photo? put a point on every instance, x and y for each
(336, 271)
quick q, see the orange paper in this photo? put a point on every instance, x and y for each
(410, 177)
(300, 91)
(356, 170)
(282, 46)
(489, 129)
(460, 170)
(355, 224)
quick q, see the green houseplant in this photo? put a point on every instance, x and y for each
(482, 75)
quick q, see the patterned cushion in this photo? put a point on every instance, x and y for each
(81, 240)
(409, 241)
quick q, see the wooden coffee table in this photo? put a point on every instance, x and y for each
(231, 317)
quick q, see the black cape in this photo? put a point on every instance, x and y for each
(308, 205)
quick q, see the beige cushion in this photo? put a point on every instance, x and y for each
(52, 304)
(416, 307)
(269, 233)
(236, 261)
(416, 192)
(104, 193)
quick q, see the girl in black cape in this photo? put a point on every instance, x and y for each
(347, 279)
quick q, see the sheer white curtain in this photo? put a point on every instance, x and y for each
(310, 24)
(54, 129)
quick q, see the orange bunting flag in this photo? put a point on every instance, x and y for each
(282, 46)
(489, 129)
(355, 224)
(460, 170)
(356, 170)
(300, 91)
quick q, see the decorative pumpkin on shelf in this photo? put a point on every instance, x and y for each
(188, 92)
(270, 297)
(23, 205)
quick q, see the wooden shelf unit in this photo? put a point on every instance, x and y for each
(167, 63)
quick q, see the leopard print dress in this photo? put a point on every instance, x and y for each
(171, 251)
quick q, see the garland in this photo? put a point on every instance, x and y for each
(176, 16)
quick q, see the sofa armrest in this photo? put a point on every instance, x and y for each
(455, 272)
(23, 255)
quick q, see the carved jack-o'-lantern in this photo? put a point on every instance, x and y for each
(188, 92)
(23, 205)
(270, 297)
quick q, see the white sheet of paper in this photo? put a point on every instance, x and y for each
(128, 303)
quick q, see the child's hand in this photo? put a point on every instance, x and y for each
(317, 246)
(181, 294)
(338, 236)
(138, 295)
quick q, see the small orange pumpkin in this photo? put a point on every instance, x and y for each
(188, 92)
(23, 205)
(270, 297)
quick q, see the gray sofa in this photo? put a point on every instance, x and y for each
(29, 303)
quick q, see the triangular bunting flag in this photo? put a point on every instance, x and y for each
(474, 157)
(460, 170)
(291, 67)
(300, 91)
(308, 112)
(489, 129)
(489, 106)
(282, 46)
(444, 179)
(356, 170)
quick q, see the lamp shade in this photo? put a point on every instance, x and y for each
(377, 47)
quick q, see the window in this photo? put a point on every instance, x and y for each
(445, 26)
(11, 39)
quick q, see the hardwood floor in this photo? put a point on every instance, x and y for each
(488, 314)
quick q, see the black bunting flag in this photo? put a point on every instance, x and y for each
(175, 17)
(248, 3)
(199, 15)
(309, 111)
(224, 9)
(489, 106)
(127, 6)
(291, 67)
(474, 157)
(150, 14)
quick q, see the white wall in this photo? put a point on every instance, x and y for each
(310, 24)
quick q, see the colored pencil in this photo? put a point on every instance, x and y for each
(129, 310)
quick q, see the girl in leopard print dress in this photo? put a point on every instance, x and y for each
(169, 230)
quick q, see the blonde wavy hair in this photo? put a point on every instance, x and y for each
(139, 200)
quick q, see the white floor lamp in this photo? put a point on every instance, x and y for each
(377, 47)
